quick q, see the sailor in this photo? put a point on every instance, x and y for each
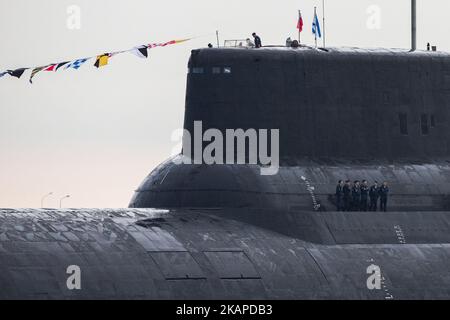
(374, 194)
(339, 196)
(210, 45)
(356, 196)
(428, 46)
(346, 190)
(384, 193)
(258, 43)
(288, 42)
(364, 196)
(249, 43)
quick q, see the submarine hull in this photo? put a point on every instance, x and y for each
(216, 254)
(301, 185)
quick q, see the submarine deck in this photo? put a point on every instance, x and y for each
(302, 48)
(213, 254)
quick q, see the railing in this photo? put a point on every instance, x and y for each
(235, 43)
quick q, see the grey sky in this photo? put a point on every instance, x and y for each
(95, 134)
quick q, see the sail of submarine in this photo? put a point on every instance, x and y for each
(347, 113)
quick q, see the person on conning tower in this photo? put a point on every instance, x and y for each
(346, 190)
(288, 42)
(356, 196)
(384, 193)
(364, 195)
(258, 43)
(339, 196)
(374, 194)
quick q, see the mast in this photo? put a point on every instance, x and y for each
(413, 25)
(323, 13)
(315, 32)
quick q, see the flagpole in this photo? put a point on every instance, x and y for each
(323, 8)
(315, 32)
(299, 17)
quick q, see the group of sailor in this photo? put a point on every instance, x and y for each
(358, 196)
(256, 43)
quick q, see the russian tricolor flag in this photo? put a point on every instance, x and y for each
(300, 22)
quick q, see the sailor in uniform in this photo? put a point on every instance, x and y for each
(356, 196)
(364, 196)
(339, 196)
(384, 193)
(374, 194)
(346, 190)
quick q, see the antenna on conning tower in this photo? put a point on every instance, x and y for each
(413, 25)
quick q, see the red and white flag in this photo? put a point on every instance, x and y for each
(300, 22)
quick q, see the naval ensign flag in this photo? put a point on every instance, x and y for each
(316, 26)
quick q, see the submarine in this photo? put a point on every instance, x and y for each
(226, 231)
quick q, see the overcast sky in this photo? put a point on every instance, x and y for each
(95, 134)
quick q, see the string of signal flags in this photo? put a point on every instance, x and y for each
(101, 60)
